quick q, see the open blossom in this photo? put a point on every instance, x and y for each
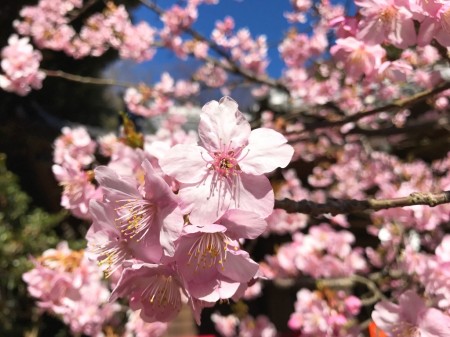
(212, 264)
(358, 57)
(153, 289)
(149, 214)
(78, 190)
(136, 327)
(437, 25)
(108, 244)
(74, 147)
(390, 20)
(411, 317)
(67, 284)
(227, 169)
(20, 63)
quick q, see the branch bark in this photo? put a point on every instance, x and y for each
(336, 206)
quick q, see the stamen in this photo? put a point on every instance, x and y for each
(111, 254)
(137, 218)
(209, 250)
(163, 291)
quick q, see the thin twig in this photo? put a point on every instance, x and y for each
(345, 282)
(87, 79)
(336, 206)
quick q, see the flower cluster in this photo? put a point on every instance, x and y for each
(323, 252)
(248, 326)
(73, 154)
(168, 246)
(326, 313)
(67, 284)
(20, 63)
(48, 23)
(148, 102)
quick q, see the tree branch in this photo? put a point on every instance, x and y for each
(87, 79)
(335, 206)
(398, 104)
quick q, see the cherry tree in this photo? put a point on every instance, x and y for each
(341, 172)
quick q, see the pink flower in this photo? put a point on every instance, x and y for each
(150, 213)
(225, 325)
(74, 147)
(211, 263)
(108, 244)
(391, 20)
(226, 169)
(436, 26)
(411, 317)
(358, 57)
(67, 284)
(78, 190)
(20, 63)
(153, 289)
(136, 327)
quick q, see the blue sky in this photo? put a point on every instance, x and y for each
(259, 16)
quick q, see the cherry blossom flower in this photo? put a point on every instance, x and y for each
(74, 147)
(150, 214)
(211, 263)
(391, 20)
(68, 285)
(20, 63)
(153, 289)
(359, 58)
(411, 317)
(226, 169)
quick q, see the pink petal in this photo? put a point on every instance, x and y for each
(156, 188)
(434, 323)
(244, 224)
(103, 218)
(239, 267)
(222, 124)
(171, 231)
(386, 315)
(266, 150)
(255, 194)
(186, 163)
(410, 305)
(206, 201)
(111, 182)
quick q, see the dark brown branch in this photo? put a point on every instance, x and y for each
(336, 206)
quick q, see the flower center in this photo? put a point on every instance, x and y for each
(111, 255)
(388, 15)
(208, 250)
(163, 291)
(62, 261)
(136, 217)
(226, 164)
